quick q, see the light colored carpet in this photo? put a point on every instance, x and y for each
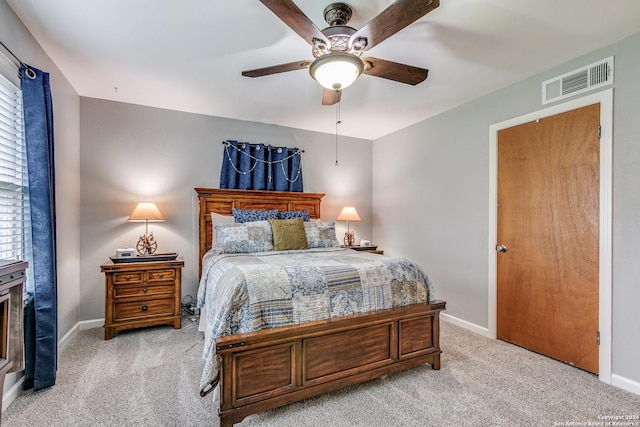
(150, 377)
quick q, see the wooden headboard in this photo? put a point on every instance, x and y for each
(222, 200)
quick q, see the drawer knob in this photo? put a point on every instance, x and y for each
(144, 290)
(127, 278)
(145, 308)
(160, 275)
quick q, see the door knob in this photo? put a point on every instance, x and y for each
(501, 248)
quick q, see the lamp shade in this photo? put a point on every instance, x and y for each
(348, 213)
(336, 70)
(146, 212)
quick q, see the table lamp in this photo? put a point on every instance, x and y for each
(349, 213)
(146, 212)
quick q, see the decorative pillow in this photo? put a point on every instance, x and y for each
(217, 219)
(288, 234)
(321, 234)
(304, 214)
(247, 237)
(250, 215)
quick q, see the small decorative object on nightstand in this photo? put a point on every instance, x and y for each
(139, 294)
(146, 212)
(349, 213)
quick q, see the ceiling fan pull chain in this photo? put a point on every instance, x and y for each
(338, 121)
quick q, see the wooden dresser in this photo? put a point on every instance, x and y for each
(139, 294)
(12, 279)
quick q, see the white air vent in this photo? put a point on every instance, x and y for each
(578, 81)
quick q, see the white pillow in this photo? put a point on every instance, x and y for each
(246, 237)
(321, 234)
(218, 219)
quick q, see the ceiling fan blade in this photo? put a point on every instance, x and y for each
(275, 69)
(330, 97)
(291, 15)
(390, 70)
(391, 20)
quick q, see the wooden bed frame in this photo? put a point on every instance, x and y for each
(275, 367)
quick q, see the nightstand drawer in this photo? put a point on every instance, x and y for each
(127, 277)
(161, 275)
(122, 291)
(143, 308)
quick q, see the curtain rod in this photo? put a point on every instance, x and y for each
(30, 72)
(226, 143)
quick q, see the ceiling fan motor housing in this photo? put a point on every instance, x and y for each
(339, 37)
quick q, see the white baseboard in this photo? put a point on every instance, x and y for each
(90, 324)
(12, 394)
(80, 326)
(464, 324)
(625, 384)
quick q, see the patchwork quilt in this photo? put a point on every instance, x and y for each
(249, 292)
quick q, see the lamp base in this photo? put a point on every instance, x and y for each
(349, 238)
(146, 245)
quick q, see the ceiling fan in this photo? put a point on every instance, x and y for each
(338, 48)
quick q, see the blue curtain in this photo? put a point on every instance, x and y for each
(260, 167)
(42, 342)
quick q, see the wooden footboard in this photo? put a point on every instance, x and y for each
(275, 367)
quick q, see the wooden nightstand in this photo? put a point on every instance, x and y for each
(139, 294)
(373, 248)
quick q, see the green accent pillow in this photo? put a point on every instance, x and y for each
(288, 234)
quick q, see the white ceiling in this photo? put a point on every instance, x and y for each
(187, 55)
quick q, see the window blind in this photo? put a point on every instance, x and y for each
(12, 172)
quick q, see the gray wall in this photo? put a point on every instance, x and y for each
(430, 196)
(131, 153)
(66, 112)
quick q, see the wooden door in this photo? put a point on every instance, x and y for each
(548, 219)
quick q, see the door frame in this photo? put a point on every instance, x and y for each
(605, 98)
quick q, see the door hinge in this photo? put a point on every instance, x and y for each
(599, 131)
(598, 337)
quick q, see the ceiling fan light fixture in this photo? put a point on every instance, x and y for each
(337, 70)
